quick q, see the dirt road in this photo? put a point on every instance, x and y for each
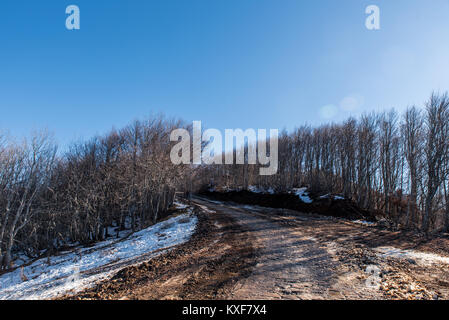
(243, 252)
(290, 264)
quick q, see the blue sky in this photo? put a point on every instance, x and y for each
(230, 64)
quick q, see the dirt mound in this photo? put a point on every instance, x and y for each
(333, 207)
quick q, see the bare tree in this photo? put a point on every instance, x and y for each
(436, 150)
(25, 169)
(412, 131)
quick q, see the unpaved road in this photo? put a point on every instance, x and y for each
(290, 264)
(243, 252)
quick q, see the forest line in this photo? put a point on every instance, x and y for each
(394, 164)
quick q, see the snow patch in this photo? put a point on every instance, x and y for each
(180, 205)
(329, 196)
(206, 209)
(255, 189)
(418, 257)
(303, 195)
(365, 223)
(83, 267)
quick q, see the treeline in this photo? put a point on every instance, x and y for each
(396, 165)
(124, 179)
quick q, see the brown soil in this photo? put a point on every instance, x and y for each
(219, 254)
(243, 252)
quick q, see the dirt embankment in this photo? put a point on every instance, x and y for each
(340, 208)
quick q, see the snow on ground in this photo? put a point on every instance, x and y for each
(303, 195)
(328, 196)
(82, 268)
(206, 209)
(255, 189)
(418, 257)
(300, 192)
(365, 223)
(180, 205)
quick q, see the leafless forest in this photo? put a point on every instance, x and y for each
(124, 179)
(395, 164)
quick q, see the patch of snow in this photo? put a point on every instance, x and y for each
(180, 205)
(247, 206)
(418, 257)
(365, 223)
(254, 189)
(229, 189)
(327, 196)
(206, 209)
(83, 267)
(21, 259)
(303, 195)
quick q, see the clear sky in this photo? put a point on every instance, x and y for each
(231, 64)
